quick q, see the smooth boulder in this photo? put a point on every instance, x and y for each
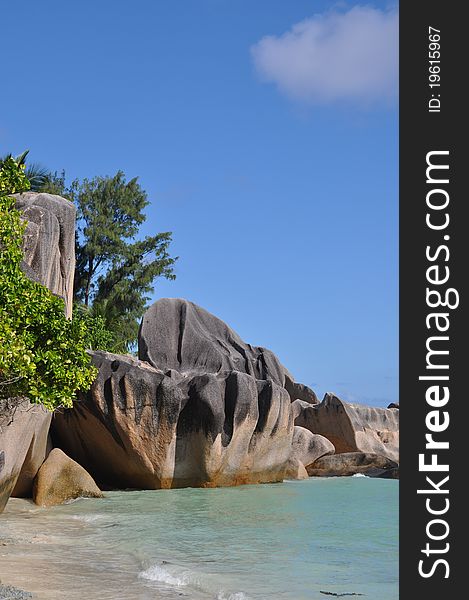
(23, 446)
(178, 335)
(351, 427)
(140, 428)
(307, 447)
(60, 479)
(352, 463)
(49, 242)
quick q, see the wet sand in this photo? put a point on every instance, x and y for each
(30, 543)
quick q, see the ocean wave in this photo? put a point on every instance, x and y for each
(360, 475)
(157, 573)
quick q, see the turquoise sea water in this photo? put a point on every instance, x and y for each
(288, 541)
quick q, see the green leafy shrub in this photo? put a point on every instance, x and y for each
(42, 354)
(97, 337)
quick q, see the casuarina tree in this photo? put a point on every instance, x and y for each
(116, 269)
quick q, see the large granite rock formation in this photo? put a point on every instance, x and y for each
(140, 428)
(351, 427)
(60, 479)
(203, 408)
(49, 242)
(352, 463)
(23, 445)
(177, 335)
(49, 259)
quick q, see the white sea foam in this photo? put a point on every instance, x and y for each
(233, 596)
(183, 578)
(360, 475)
(87, 518)
(79, 499)
(157, 573)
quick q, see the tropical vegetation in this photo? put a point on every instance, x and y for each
(43, 355)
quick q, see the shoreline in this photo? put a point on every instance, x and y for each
(30, 544)
(205, 544)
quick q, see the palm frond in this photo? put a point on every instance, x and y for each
(38, 176)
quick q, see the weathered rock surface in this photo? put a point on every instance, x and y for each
(140, 428)
(307, 447)
(49, 242)
(300, 391)
(23, 445)
(295, 470)
(392, 473)
(351, 463)
(49, 259)
(351, 427)
(203, 408)
(179, 335)
(60, 479)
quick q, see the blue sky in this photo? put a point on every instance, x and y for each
(273, 160)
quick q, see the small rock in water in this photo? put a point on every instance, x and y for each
(340, 594)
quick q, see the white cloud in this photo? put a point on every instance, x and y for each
(335, 56)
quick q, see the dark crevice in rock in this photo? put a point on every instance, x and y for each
(182, 326)
(231, 396)
(264, 402)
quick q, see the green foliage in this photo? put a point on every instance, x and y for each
(115, 272)
(37, 175)
(12, 177)
(42, 354)
(98, 336)
(54, 183)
